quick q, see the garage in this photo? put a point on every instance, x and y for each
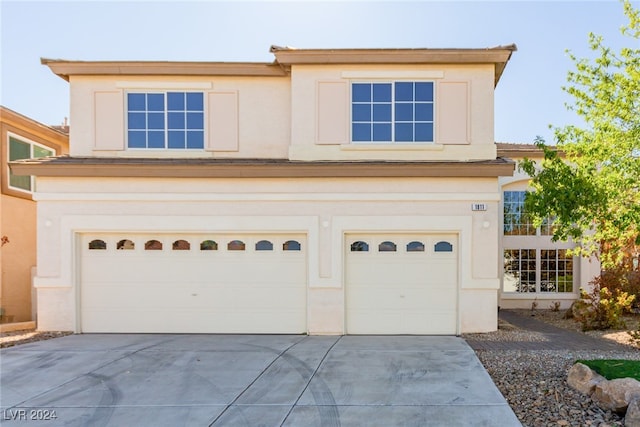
(205, 283)
(401, 284)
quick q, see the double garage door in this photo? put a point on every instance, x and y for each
(193, 283)
(170, 283)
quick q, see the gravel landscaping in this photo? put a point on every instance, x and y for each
(533, 381)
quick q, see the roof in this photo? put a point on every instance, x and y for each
(8, 115)
(284, 58)
(65, 166)
(520, 150)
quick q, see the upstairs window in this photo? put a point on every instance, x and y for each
(392, 112)
(173, 120)
(517, 221)
(21, 149)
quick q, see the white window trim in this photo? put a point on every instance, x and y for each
(396, 78)
(164, 90)
(31, 144)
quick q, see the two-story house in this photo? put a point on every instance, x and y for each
(351, 191)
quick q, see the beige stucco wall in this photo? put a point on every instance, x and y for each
(263, 107)
(304, 105)
(323, 209)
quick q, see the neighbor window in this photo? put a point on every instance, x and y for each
(173, 120)
(392, 112)
(21, 149)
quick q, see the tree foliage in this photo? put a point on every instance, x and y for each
(592, 191)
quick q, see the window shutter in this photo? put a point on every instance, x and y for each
(332, 109)
(453, 113)
(223, 121)
(109, 121)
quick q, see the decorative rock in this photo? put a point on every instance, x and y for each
(632, 419)
(616, 394)
(583, 379)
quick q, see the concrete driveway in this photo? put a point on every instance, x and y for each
(248, 380)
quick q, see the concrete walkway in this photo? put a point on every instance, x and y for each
(556, 338)
(248, 380)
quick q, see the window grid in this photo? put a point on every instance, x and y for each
(173, 120)
(520, 269)
(556, 271)
(392, 112)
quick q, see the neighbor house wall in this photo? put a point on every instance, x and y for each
(18, 216)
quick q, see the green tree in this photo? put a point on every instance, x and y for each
(590, 184)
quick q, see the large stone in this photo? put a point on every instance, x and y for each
(616, 394)
(583, 378)
(632, 419)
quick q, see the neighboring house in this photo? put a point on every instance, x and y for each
(22, 138)
(536, 270)
(332, 191)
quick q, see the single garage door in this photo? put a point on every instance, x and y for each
(193, 283)
(401, 284)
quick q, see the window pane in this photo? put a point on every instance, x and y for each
(195, 101)
(424, 132)
(424, 112)
(404, 132)
(125, 244)
(404, 112)
(98, 244)
(404, 91)
(264, 245)
(155, 102)
(415, 247)
(387, 247)
(18, 149)
(41, 152)
(176, 120)
(195, 139)
(137, 139)
(361, 92)
(175, 101)
(382, 131)
(519, 270)
(177, 139)
(236, 245)
(208, 245)
(156, 121)
(424, 91)
(137, 120)
(22, 182)
(136, 102)
(156, 139)
(382, 92)
(361, 132)
(361, 112)
(516, 220)
(181, 245)
(195, 121)
(382, 112)
(291, 245)
(359, 246)
(443, 247)
(153, 245)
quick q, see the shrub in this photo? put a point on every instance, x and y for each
(602, 308)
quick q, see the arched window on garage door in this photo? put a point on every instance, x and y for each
(359, 246)
(125, 244)
(387, 247)
(264, 245)
(291, 245)
(236, 245)
(208, 245)
(415, 247)
(181, 245)
(153, 245)
(98, 244)
(443, 247)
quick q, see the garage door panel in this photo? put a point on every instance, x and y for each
(401, 292)
(137, 290)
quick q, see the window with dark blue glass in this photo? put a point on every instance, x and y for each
(392, 112)
(172, 120)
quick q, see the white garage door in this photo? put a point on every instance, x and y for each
(401, 284)
(193, 283)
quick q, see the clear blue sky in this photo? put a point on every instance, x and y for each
(528, 97)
